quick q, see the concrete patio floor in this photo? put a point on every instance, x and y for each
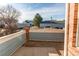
(40, 47)
(36, 51)
(36, 48)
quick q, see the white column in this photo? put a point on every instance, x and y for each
(66, 32)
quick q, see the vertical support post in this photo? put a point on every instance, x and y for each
(27, 35)
(66, 29)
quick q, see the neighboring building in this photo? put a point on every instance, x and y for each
(21, 25)
(43, 24)
(51, 24)
(29, 23)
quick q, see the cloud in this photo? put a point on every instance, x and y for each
(46, 13)
(28, 11)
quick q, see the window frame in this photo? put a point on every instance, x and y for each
(77, 33)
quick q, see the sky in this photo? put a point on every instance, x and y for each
(46, 10)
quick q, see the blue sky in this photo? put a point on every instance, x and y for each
(46, 10)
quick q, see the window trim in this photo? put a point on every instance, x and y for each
(77, 34)
(77, 45)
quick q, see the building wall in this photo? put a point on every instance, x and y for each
(72, 20)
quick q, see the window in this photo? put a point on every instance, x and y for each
(77, 40)
(77, 35)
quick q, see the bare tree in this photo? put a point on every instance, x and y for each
(9, 16)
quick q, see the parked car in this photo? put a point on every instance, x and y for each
(59, 27)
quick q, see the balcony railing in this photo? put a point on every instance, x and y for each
(10, 43)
